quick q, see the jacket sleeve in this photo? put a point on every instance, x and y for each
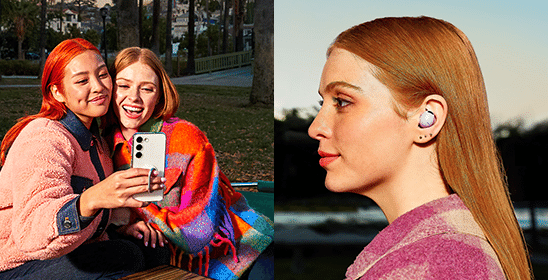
(46, 223)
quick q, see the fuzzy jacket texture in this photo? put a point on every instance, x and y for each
(38, 215)
(438, 240)
(211, 228)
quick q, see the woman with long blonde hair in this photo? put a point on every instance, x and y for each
(405, 122)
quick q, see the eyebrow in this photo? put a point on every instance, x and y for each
(87, 72)
(342, 84)
(128, 80)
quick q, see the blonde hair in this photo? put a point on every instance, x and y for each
(419, 56)
(169, 98)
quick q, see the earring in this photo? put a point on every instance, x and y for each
(427, 119)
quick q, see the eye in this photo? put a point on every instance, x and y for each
(103, 76)
(148, 89)
(82, 81)
(341, 103)
(123, 86)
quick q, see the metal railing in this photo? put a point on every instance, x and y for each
(223, 61)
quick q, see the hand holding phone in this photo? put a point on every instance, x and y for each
(149, 151)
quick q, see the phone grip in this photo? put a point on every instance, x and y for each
(149, 188)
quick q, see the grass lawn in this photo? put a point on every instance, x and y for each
(242, 135)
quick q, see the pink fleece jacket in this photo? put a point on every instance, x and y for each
(438, 240)
(45, 170)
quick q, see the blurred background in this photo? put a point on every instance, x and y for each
(319, 233)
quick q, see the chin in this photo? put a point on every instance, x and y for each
(334, 185)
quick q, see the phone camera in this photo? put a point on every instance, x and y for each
(139, 139)
(139, 147)
(138, 155)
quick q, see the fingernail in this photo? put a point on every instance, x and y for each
(163, 179)
(146, 244)
(155, 173)
(140, 236)
(162, 244)
(163, 186)
(153, 245)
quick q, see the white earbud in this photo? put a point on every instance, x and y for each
(427, 119)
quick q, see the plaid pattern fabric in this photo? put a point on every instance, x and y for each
(438, 240)
(211, 228)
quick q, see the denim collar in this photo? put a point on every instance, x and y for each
(83, 135)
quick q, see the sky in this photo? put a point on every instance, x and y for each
(510, 39)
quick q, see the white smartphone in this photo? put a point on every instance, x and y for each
(149, 151)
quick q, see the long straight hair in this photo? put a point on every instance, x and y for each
(419, 56)
(53, 74)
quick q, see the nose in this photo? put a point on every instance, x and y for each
(97, 84)
(320, 127)
(133, 94)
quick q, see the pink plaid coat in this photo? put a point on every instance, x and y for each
(438, 240)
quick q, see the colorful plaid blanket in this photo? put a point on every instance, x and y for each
(211, 228)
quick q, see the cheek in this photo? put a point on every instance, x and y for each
(372, 142)
(150, 102)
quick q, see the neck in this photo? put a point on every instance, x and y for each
(128, 132)
(418, 182)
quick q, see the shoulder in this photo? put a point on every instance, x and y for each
(183, 131)
(450, 255)
(41, 131)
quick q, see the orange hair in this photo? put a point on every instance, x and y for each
(417, 57)
(169, 99)
(53, 74)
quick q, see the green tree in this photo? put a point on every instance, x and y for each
(92, 36)
(22, 15)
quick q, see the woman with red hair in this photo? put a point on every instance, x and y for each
(56, 186)
(405, 121)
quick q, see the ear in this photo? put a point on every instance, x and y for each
(435, 104)
(57, 94)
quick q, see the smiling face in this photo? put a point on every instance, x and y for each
(363, 141)
(136, 94)
(87, 87)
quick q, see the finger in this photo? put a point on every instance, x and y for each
(161, 238)
(153, 236)
(146, 234)
(144, 189)
(137, 229)
(138, 172)
(142, 181)
(134, 203)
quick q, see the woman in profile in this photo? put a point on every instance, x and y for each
(404, 121)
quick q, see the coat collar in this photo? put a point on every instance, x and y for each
(83, 135)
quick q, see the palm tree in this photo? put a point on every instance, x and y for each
(155, 30)
(191, 40)
(262, 91)
(169, 47)
(22, 15)
(42, 36)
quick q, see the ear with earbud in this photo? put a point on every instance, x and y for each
(427, 119)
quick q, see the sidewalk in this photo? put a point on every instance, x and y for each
(237, 77)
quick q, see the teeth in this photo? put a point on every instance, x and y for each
(132, 109)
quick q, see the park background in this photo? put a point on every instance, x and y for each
(319, 233)
(233, 107)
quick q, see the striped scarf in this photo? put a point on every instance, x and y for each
(211, 228)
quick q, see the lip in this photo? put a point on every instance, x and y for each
(99, 100)
(327, 158)
(132, 115)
